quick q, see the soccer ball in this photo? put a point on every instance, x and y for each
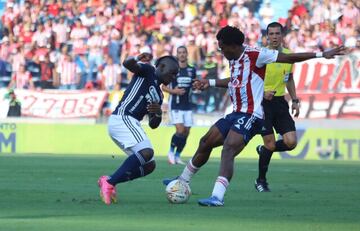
(178, 192)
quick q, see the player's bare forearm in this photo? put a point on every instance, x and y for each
(154, 120)
(295, 105)
(223, 83)
(169, 90)
(202, 84)
(290, 86)
(299, 57)
(294, 57)
(132, 65)
(155, 115)
(165, 88)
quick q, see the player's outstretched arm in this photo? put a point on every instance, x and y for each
(173, 91)
(202, 84)
(299, 57)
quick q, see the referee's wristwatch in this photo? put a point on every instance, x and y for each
(296, 101)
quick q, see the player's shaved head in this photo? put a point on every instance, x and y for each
(168, 59)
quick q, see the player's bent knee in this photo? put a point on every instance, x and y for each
(147, 154)
(291, 144)
(204, 142)
(231, 150)
(270, 146)
(149, 167)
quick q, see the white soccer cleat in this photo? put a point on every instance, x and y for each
(171, 158)
(179, 161)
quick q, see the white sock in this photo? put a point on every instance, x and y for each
(220, 187)
(188, 172)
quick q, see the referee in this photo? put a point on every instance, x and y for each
(276, 108)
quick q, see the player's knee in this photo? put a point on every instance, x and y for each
(291, 143)
(149, 167)
(203, 143)
(270, 146)
(186, 133)
(230, 150)
(181, 134)
(147, 154)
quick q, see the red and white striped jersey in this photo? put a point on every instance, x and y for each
(4, 51)
(111, 75)
(22, 80)
(246, 86)
(67, 72)
(17, 60)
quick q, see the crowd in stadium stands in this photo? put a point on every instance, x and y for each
(81, 44)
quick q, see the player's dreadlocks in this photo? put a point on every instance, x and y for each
(230, 35)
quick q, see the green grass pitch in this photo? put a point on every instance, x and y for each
(56, 193)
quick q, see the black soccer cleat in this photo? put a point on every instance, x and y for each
(262, 186)
(258, 150)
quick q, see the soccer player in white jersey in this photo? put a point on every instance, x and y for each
(246, 89)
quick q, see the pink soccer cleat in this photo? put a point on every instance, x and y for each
(107, 191)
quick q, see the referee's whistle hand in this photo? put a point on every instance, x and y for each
(268, 95)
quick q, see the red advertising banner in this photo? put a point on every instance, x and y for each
(339, 75)
(330, 106)
(329, 88)
(61, 104)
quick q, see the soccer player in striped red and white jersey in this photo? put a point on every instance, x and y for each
(246, 89)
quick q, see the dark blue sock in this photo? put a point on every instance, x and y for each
(181, 145)
(143, 170)
(174, 142)
(130, 168)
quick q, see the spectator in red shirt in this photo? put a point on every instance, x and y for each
(298, 9)
(53, 7)
(222, 19)
(147, 21)
(47, 69)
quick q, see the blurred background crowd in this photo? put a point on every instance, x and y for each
(60, 44)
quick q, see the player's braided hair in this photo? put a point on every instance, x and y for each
(230, 35)
(165, 57)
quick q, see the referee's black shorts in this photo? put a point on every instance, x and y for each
(277, 116)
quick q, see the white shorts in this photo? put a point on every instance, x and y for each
(128, 134)
(181, 117)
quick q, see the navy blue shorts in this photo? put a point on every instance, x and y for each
(245, 124)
